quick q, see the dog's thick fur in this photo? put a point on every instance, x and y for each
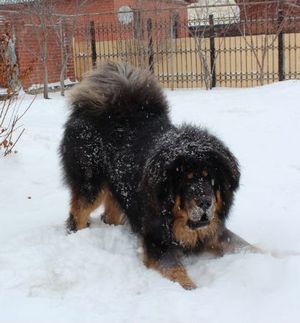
(120, 149)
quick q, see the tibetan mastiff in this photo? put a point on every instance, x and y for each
(174, 185)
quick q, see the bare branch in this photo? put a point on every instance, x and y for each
(9, 122)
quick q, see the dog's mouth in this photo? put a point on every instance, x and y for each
(203, 222)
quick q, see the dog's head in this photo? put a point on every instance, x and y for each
(192, 179)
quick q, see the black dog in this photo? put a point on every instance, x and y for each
(174, 185)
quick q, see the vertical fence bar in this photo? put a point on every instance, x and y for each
(150, 45)
(212, 51)
(93, 43)
(280, 46)
(171, 59)
(79, 54)
(166, 44)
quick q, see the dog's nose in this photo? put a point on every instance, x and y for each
(204, 203)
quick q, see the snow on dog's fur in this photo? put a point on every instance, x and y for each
(175, 185)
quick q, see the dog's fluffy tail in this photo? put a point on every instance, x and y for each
(118, 88)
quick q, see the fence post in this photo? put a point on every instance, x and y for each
(280, 18)
(150, 45)
(93, 43)
(212, 51)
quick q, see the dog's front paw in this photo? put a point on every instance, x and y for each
(70, 224)
(188, 285)
(180, 275)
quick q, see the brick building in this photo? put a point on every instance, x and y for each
(20, 23)
(141, 32)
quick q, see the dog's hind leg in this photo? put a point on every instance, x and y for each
(80, 209)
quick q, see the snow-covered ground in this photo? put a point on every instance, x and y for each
(96, 275)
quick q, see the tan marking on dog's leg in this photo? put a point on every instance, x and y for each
(113, 214)
(81, 209)
(175, 273)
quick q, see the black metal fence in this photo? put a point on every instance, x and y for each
(206, 47)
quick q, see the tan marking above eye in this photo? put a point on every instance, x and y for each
(205, 173)
(190, 175)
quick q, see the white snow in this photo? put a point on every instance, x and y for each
(54, 85)
(97, 275)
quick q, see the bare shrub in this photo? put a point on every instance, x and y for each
(11, 129)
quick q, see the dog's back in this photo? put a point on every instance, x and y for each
(117, 113)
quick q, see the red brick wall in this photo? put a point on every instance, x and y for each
(28, 52)
(27, 47)
(4, 36)
(31, 68)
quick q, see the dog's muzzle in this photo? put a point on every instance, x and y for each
(199, 217)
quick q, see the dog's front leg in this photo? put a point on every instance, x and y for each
(229, 242)
(169, 265)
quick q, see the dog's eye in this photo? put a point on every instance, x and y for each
(204, 173)
(190, 175)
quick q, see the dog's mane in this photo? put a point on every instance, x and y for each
(189, 144)
(118, 88)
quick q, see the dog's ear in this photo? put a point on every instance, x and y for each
(225, 166)
(162, 179)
